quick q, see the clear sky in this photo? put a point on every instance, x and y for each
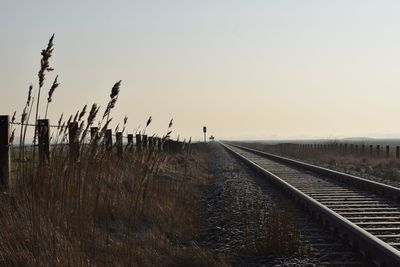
(246, 69)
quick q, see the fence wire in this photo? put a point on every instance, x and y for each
(58, 127)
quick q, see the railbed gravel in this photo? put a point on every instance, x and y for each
(381, 179)
(227, 201)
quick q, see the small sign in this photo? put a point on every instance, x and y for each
(204, 129)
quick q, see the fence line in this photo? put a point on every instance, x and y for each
(143, 143)
(58, 127)
(383, 151)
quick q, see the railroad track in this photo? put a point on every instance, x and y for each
(364, 213)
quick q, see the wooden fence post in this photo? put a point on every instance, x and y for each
(130, 143)
(119, 145)
(397, 152)
(378, 150)
(108, 140)
(363, 149)
(371, 150)
(43, 132)
(73, 135)
(138, 142)
(387, 151)
(4, 152)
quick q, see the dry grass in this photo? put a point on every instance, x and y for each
(272, 231)
(85, 206)
(105, 223)
(278, 235)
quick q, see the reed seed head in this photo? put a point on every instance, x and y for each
(13, 117)
(83, 112)
(23, 115)
(52, 89)
(28, 101)
(149, 121)
(115, 89)
(44, 62)
(59, 121)
(93, 113)
(76, 116)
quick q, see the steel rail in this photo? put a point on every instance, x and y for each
(376, 187)
(380, 252)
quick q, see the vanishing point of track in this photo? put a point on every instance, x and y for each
(364, 213)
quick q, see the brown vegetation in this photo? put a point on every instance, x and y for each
(84, 205)
(276, 233)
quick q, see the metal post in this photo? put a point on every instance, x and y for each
(4, 152)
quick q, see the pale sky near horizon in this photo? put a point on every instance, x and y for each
(246, 69)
